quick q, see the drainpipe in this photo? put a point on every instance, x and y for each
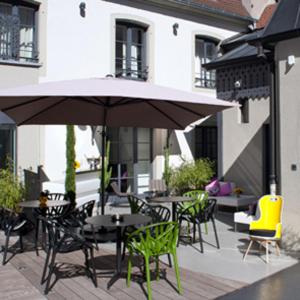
(273, 120)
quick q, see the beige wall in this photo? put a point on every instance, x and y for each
(289, 99)
(242, 144)
(256, 7)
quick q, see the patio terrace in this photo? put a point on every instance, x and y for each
(204, 276)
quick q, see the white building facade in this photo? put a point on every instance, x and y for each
(163, 42)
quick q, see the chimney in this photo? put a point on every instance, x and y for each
(256, 7)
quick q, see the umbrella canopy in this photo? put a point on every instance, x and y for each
(107, 101)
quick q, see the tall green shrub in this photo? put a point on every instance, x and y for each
(167, 169)
(107, 170)
(192, 176)
(12, 190)
(70, 185)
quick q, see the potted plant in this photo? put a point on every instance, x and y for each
(12, 190)
(191, 176)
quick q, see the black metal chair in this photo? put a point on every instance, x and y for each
(12, 224)
(63, 240)
(198, 214)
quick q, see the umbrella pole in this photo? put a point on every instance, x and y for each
(102, 170)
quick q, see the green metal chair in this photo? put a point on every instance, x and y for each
(153, 241)
(198, 196)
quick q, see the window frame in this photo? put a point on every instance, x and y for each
(14, 25)
(142, 72)
(207, 83)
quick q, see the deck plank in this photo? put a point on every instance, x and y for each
(73, 283)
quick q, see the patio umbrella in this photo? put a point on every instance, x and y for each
(108, 102)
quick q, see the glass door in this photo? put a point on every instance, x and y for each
(130, 153)
(7, 144)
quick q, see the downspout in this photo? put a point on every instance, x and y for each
(273, 178)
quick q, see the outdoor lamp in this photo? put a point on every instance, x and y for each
(82, 7)
(175, 28)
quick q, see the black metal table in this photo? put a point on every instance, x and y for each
(39, 208)
(171, 199)
(107, 221)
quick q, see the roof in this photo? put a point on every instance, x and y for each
(241, 53)
(230, 6)
(266, 16)
(285, 22)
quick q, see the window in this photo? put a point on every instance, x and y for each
(206, 142)
(130, 51)
(18, 31)
(205, 51)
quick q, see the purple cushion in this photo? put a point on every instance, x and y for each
(213, 188)
(225, 189)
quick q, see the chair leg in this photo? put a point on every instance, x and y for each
(51, 271)
(46, 265)
(5, 249)
(129, 268)
(148, 278)
(200, 238)
(170, 260)
(267, 252)
(246, 253)
(179, 231)
(194, 232)
(93, 267)
(177, 273)
(216, 235)
(36, 236)
(21, 242)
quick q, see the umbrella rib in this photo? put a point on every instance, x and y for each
(186, 109)
(24, 103)
(163, 113)
(98, 100)
(43, 110)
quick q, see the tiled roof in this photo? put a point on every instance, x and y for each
(266, 16)
(229, 6)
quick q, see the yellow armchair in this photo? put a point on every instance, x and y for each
(267, 227)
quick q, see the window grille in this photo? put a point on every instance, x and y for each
(130, 59)
(205, 51)
(17, 33)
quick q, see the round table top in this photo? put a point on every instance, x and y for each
(170, 199)
(37, 203)
(128, 220)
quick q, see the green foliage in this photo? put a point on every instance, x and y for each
(192, 176)
(12, 190)
(70, 185)
(167, 170)
(107, 170)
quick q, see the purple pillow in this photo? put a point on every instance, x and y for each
(213, 188)
(225, 189)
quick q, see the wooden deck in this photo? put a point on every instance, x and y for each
(20, 279)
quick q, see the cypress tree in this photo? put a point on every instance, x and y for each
(70, 185)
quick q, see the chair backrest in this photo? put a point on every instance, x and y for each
(85, 210)
(158, 213)
(136, 204)
(155, 239)
(56, 196)
(197, 195)
(270, 213)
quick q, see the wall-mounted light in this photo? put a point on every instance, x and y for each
(175, 28)
(82, 7)
(291, 60)
(238, 84)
